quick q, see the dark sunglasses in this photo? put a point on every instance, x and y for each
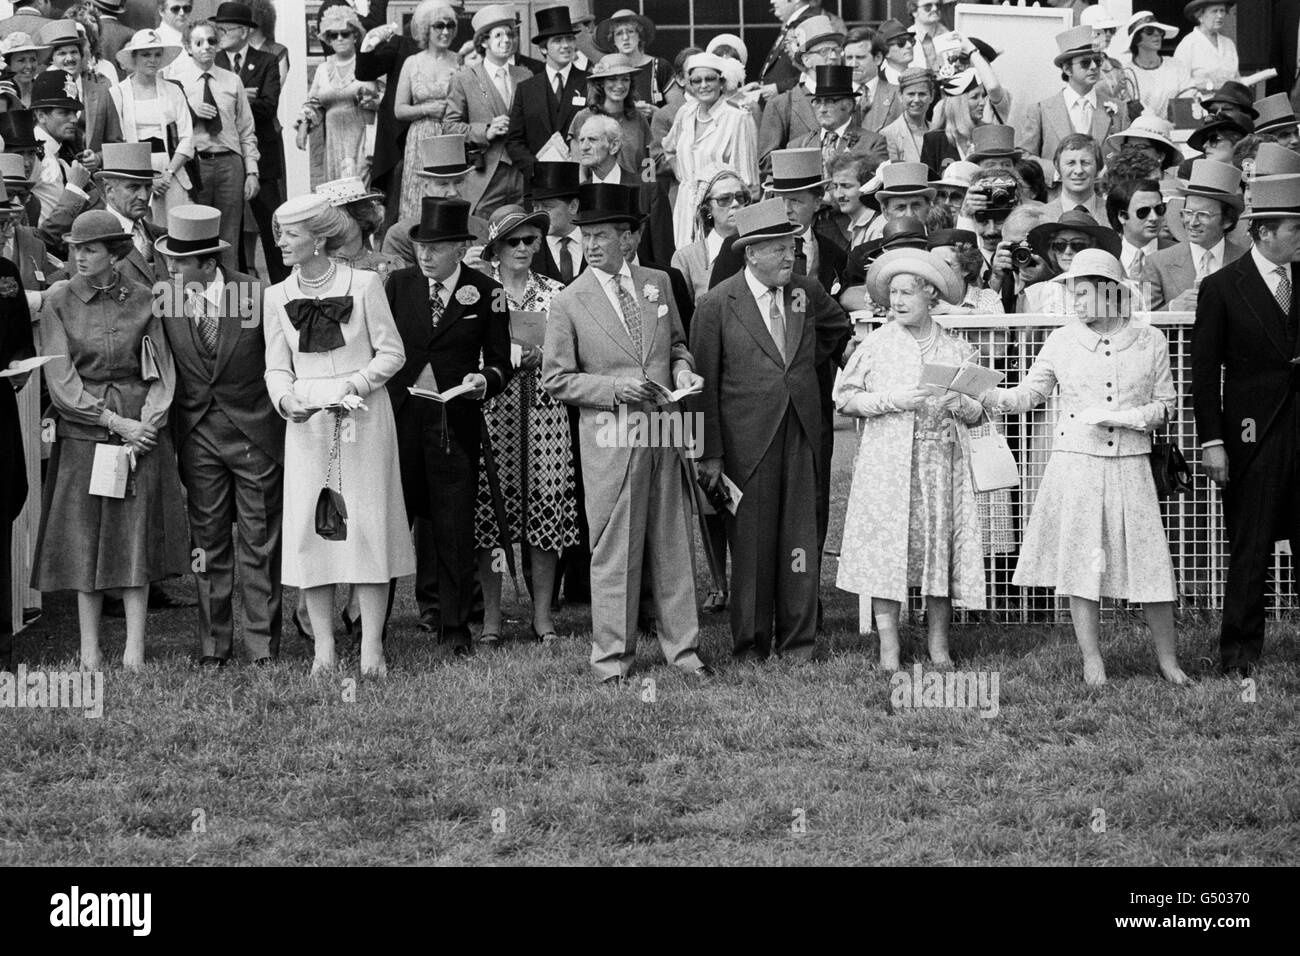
(986, 216)
(514, 242)
(1087, 61)
(333, 35)
(1143, 212)
(443, 25)
(184, 9)
(1069, 245)
(903, 41)
(950, 195)
(730, 199)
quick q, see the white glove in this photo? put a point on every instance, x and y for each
(1128, 418)
(377, 36)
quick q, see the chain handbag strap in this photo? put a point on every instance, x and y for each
(334, 470)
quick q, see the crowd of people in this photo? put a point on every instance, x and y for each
(510, 270)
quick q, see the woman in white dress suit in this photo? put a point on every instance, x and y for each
(331, 341)
(1095, 528)
(1207, 54)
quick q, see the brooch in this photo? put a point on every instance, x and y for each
(467, 295)
(650, 292)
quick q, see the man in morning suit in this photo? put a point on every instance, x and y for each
(613, 330)
(450, 317)
(839, 130)
(229, 437)
(1247, 319)
(260, 74)
(777, 68)
(99, 122)
(789, 115)
(545, 104)
(758, 339)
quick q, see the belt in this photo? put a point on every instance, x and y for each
(933, 435)
(213, 153)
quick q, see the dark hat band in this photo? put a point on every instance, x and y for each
(185, 246)
(129, 173)
(778, 230)
(790, 185)
(454, 170)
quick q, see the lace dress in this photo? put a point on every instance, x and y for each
(430, 80)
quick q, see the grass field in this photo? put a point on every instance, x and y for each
(514, 756)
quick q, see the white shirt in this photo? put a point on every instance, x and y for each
(448, 284)
(575, 248)
(1209, 63)
(1216, 257)
(763, 296)
(609, 282)
(50, 174)
(213, 294)
(1072, 101)
(552, 73)
(1129, 252)
(839, 133)
(615, 175)
(712, 245)
(810, 251)
(242, 53)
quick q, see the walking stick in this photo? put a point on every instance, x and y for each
(498, 502)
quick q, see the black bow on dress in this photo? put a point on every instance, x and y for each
(317, 321)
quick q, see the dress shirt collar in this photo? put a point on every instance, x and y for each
(615, 175)
(1216, 251)
(1072, 98)
(1128, 250)
(760, 292)
(607, 278)
(840, 131)
(563, 74)
(128, 224)
(1267, 269)
(448, 284)
(242, 53)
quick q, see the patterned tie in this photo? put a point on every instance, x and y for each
(631, 311)
(1207, 264)
(209, 326)
(776, 320)
(436, 305)
(829, 141)
(214, 124)
(1283, 292)
(566, 260)
(235, 64)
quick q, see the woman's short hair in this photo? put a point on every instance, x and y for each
(423, 17)
(703, 213)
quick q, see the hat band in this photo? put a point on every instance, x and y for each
(1278, 123)
(778, 230)
(1275, 210)
(185, 246)
(803, 182)
(453, 170)
(129, 173)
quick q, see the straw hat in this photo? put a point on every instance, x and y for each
(1099, 18)
(508, 220)
(20, 42)
(340, 192)
(1143, 19)
(605, 31)
(613, 64)
(1097, 264)
(300, 209)
(914, 262)
(97, 225)
(146, 40)
(192, 231)
(1149, 129)
(957, 175)
(762, 221)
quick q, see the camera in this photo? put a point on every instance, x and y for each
(1022, 254)
(1002, 193)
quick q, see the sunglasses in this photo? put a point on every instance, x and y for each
(1144, 212)
(1087, 61)
(950, 195)
(332, 35)
(730, 199)
(986, 216)
(705, 79)
(185, 9)
(443, 25)
(514, 242)
(903, 41)
(1069, 245)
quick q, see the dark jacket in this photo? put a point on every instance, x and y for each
(15, 343)
(384, 62)
(535, 115)
(777, 67)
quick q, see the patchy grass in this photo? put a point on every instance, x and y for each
(282, 769)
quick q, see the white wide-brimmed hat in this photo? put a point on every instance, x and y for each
(146, 40)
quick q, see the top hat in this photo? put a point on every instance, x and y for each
(131, 161)
(237, 13)
(552, 22)
(1275, 113)
(1075, 221)
(904, 179)
(915, 262)
(146, 40)
(605, 202)
(55, 89)
(1196, 6)
(554, 181)
(1149, 129)
(1076, 41)
(892, 30)
(442, 220)
(1215, 124)
(794, 170)
(1215, 180)
(96, 225)
(1235, 95)
(443, 157)
(612, 64)
(993, 142)
(817, 30)
(605, 31)
(18, 129)
(510, 219)
(833, 81)
(192, 231)
(58, 33)
(762, 221)
(20, 42)
(950, 237)
(13, 170)
(1277, 197)
(340, 192)
(1273, 159)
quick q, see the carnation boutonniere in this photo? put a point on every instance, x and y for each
(122, 293)
(1111, 107)
(467, 295)
(650, 292)
(8, 287)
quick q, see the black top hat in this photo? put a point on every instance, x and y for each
(950, 237)
(442, 220)
(607, 202)
(552, 22)
(55, 89)
(239, 13)
(833, 81)
(18, 129)
(551, 181)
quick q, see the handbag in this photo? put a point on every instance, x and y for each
(992, 465)
(1169, 467)
(331, 510)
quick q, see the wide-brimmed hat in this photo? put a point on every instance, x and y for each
(59, 33)
(1214, 125)
(13, 170)
(611, 65)
(1099, 18)
(508, 220)
(817, 30)
(1273, 159)
(833, 81)
(238, 13)
(604, 36)
(18, 129)
(20, 42)
(893, 30)
(1275, 113)
(192, 230)
(993, 142)
(1077, 41)
(1214, 180)
(606, 202)
(493, 15)
(731, 40)
(1277, 197)
(130, 161)
(1196, 6)
(1097, 264)
(146, 40)
(1148, 129)
(957, 175)
(55, 90)
(1040, 237)
(96, 225)
(1234, 95)
(340, 192)
(794, 170)
(552, 22)
(916, 262)
(443, 157)
(762, 221)
(554, 181)
(1141, 20)
(442, 220)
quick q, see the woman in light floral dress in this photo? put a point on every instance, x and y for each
(422, 89)
(338, 99)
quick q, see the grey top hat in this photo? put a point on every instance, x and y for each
(191, 231)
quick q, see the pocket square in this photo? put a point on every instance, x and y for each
(663, 310)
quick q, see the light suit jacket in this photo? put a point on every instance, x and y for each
(472, 104)
(1047, 122)
(1168, 273)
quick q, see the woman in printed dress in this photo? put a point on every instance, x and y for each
(911, 519)
(530, 438)
(344, 104)
(422, 89)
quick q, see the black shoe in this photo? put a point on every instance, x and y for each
(1237, 671)
(618, 680)
(462, 649)
(430, 622)
(31, 615)
(209, 661)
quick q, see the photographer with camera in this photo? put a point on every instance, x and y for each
(1016, 265)
(989, 200)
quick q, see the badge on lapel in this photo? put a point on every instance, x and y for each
(467, 295)
(579, 99)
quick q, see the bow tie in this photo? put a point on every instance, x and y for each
(317, 321)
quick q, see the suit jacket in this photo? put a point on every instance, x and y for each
(468, 332)
(471, 105)
(747, 386)
(235, 380)
(787, 116)
(1282, 51)
(682, 296)
(535, 115)
(137, 268)
(34, 263)
(777, 67)
(832, 259)
(15, 343)
(886, 106)
(1047, 122)
(113, 35)
(384, 62)
(260, 74)
(1168, 273)
(937, 151)
(397, 240)
(544, 263)
(29, 23)
(100, 123)
(56, 225)
(1240, 340)
(855, 140)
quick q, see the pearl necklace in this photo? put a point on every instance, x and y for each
(321, 281)
(927, 343)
